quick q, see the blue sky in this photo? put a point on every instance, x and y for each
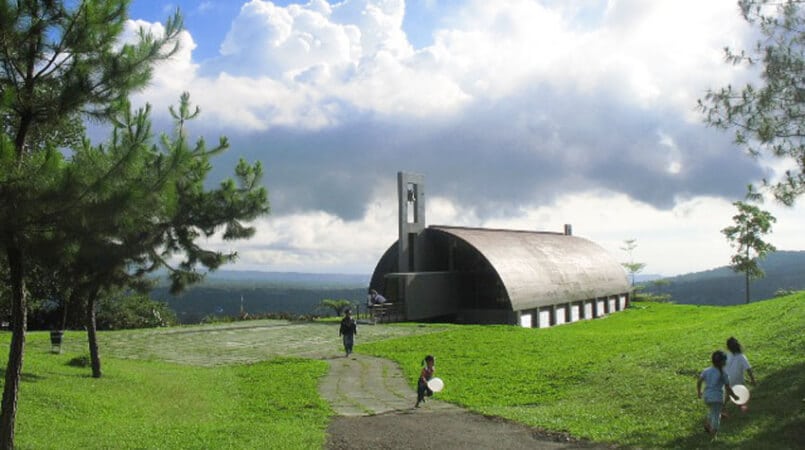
(524, 114)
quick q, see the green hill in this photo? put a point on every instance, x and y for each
(785, 271)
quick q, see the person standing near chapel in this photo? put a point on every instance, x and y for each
(347, 331)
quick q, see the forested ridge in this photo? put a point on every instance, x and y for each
(785, 271)
(222, 294)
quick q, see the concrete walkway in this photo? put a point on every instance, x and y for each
(362, 385)
(374, 408)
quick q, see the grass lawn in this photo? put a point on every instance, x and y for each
(147, 404)
(235, 385)
(627, 379)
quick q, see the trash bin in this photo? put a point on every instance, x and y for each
(55, 340)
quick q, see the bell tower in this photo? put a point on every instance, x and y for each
(411, 198)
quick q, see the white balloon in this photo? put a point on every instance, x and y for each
(742, 392)
(435, 384)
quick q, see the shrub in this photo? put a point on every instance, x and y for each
(130, 310)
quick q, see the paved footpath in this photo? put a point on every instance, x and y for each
(363, 385)
(374, 407)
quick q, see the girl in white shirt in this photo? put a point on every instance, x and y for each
(736, 365)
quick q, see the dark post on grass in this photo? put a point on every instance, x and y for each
(55, 340)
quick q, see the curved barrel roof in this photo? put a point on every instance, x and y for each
(540, 269)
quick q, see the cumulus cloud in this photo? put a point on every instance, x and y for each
(354, 55)
(316, 241)
(269, 40)
(685, 238)
(511, 110)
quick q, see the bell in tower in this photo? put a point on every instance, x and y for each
(411, 197)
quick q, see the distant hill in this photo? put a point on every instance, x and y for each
(298, 293)
(221, 292)
(645, 277)
(286, 279)
(785, 270)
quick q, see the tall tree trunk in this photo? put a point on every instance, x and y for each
(747, 287)
(19, 324)
(22, 133)
(69, 300)
(63, 324)
(746, 280)
(92, 334)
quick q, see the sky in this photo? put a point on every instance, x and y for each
(521, 114)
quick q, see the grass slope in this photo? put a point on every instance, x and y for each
(152, 404)
(628, 379)
(237, 385)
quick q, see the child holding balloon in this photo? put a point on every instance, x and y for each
(425, 375)
(736, 365)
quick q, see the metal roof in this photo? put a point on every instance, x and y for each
(541, 268)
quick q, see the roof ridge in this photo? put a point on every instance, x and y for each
(454, 227)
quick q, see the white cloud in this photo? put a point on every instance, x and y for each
(673, 154)
(317, 242)
(380, 25)
(205, 6)
(270, 40)
(293, 66)
(495, 48)
(356, 53)
(172, 76)
(519, 109)
(684, 239)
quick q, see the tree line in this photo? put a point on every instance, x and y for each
(200, 303)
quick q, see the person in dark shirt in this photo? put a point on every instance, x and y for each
(347, 331)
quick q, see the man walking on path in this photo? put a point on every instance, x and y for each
(348, 330)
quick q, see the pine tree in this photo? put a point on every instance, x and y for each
(152, 209)
(631, 266)
(751, 223)
(59, 62)
(768, 118)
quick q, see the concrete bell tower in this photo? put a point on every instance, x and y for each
(411, 198)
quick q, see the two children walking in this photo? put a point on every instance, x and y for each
(726, 371)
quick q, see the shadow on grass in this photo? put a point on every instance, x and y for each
(79, 361)
(776, 401)
(26, 377)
